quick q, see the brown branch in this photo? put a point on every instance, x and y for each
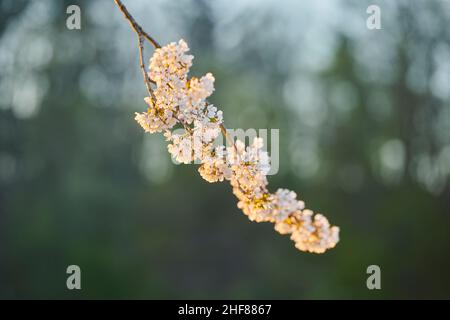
(136, 27)
(142, 65)
(141, 35)
(228, 138)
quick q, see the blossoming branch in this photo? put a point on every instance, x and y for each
(174, 99)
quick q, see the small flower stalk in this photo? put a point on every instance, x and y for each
(177, 100)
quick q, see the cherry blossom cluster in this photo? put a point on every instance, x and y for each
(177, 99)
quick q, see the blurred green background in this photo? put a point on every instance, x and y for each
(364, 119)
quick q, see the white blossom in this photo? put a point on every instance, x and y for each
(200, 89)
(215, 167)
(181, 147)
(155, 120)
(315, 234)
(284, 203)
(170, 64)
(249, 180)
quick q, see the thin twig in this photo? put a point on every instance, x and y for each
(228, 138)
(141, 35)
